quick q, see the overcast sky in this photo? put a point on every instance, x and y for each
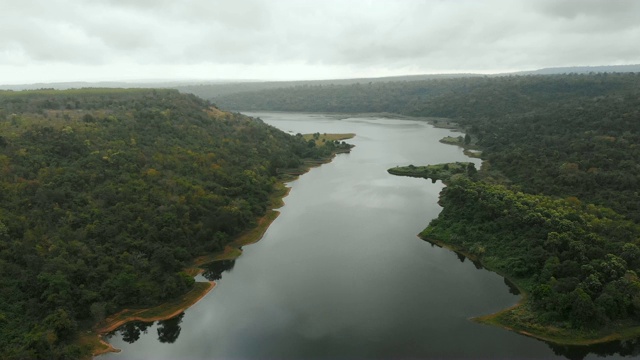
(98, 40)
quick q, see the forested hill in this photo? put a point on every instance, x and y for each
(458, 97)
(563, 135)
(106, 195)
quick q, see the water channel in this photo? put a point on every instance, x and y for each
(341, 274)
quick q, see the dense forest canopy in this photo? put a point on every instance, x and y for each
(556, 206)
(578, 262)
(106, 195)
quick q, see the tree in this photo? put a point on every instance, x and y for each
(471, 170)
(583, 311)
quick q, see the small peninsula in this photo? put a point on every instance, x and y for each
(442, 172)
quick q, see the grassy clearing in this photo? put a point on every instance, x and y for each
(322, 138)
(453, 140)
(477, 154)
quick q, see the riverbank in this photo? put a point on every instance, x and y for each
(94, 338)
(200, 289)
(520, 319)
(160, 312)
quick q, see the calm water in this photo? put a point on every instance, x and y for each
(341, 273)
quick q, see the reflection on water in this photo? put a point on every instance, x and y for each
(213, 271)
(628, 348)
(513, 289)
(168, 330)
(131, 331)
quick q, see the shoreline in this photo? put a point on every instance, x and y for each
(138, 315)
(625, 331)
(231, 251)
(157, 313)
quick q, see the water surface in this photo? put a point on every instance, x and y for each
(342, 274)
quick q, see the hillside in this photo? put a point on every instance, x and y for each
(108, 194)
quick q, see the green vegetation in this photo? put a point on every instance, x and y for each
(320, 139)
(453, 140)
(577, 262)
(443, 172)
(108, 195)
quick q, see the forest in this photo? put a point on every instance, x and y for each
(562, 135)
(107, 195)
(555, 206)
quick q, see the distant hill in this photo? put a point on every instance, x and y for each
(211, 89)
(582, 70)
(163, 84)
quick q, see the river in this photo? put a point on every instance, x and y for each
(342, 274)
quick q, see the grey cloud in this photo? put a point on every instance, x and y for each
(422, 35)
(593, 8)
(591, 16)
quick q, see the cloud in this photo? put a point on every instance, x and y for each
(303, 39)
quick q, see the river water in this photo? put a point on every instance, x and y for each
(341, 274)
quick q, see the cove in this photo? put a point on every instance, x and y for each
(341, 273)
